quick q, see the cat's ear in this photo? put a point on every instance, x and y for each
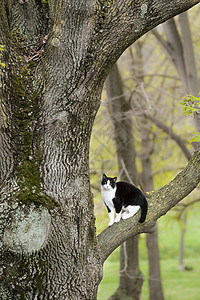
(104, 176)
(115, 179)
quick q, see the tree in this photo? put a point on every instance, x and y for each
(49, 249)
(155, 284)
(131, 279)
(180, 51)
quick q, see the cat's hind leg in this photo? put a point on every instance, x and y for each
(130, 211)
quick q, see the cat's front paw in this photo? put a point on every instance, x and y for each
(110, 223)
(117, 220)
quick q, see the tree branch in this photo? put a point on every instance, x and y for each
(160, 202)
(174, 136)
(189, 203)
(142, 16)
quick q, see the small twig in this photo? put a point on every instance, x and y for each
(126, 171)
(145, 96)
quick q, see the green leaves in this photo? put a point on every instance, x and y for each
(191, 104)
(2, 64)
(196, 138)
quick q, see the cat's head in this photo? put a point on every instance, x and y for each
(108, 183)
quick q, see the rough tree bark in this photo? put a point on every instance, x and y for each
(49, 248)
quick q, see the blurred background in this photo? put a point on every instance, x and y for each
(142, 135)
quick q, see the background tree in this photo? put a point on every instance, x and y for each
(155, 283)
(131, 279)
(49, 248)
(179, 48)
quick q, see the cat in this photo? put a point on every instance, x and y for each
(122, 195)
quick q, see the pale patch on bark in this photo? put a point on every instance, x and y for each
(28, 230)
(143, 10)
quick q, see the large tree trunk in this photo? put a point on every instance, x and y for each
(49, 248)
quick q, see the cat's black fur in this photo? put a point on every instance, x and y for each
(122, 195)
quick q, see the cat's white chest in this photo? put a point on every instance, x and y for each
(108, 196)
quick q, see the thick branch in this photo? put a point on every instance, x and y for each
(142, 17)
(160, 202)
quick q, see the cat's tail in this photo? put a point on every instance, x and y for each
(144, 209)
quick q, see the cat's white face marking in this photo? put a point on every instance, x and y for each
(107, 186)
(108, 193)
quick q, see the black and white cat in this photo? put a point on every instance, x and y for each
(122, 195)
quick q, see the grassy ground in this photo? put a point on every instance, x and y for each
(176, 285)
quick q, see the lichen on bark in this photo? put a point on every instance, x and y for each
(27, 152)
(28, 230)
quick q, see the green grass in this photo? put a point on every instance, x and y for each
(110, 281)
(177, 285)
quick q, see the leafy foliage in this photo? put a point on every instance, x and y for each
(190, 105)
